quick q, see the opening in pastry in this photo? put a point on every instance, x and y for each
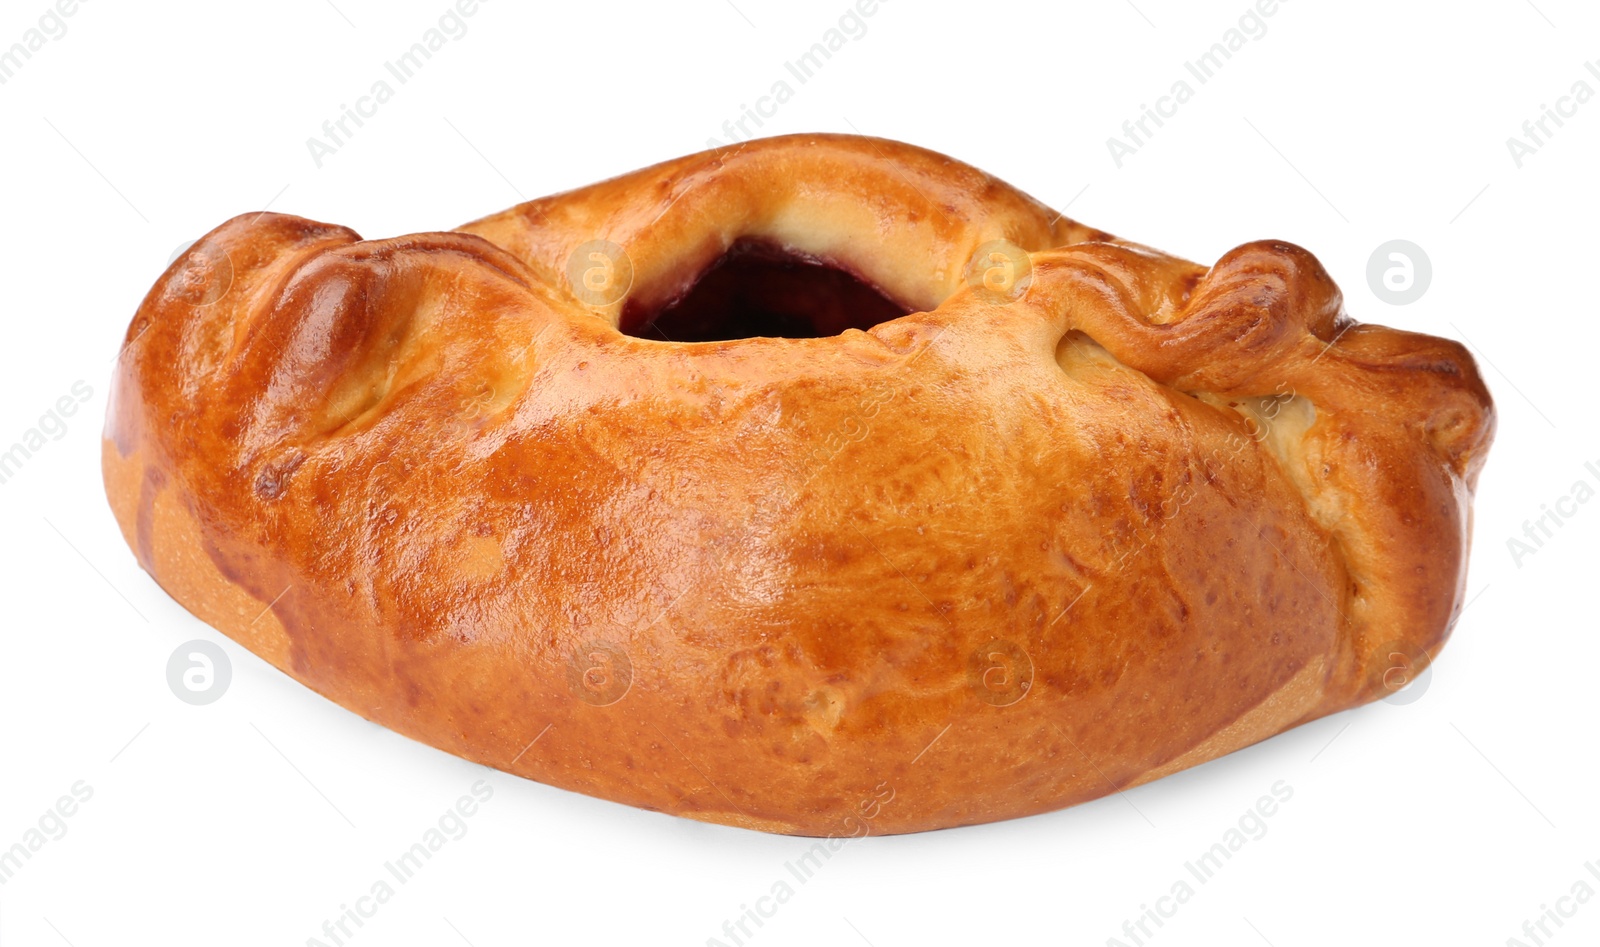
(760, 290)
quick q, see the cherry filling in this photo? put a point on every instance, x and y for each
(757, 289)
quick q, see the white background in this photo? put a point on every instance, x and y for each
(1451, 819)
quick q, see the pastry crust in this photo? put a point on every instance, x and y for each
(1087, 515)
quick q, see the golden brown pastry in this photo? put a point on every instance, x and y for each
(1033, 515)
